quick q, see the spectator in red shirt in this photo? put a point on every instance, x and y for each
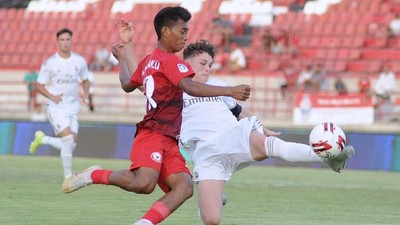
(290, 75)
(364, 85)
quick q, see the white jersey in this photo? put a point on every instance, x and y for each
(62, 76)
(198, 111)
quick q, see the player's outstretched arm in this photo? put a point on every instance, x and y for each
(239, 92)
(126, 37)
(124, 74)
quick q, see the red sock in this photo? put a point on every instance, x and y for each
(157, 213)
(101, 176)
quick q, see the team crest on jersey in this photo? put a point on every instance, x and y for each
(182, 68)
(156, 157)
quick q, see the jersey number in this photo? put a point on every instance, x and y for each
(149, 90)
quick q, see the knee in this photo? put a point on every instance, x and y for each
(185, 190)
(211, 220)
(189, 190)
(144, 186)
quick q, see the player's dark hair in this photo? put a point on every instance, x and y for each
(197, 48)
(168, 16)
(63, 31)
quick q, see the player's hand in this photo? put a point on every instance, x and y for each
(269, 132)
(85, 98)
(117, 50)
(56, 98)
(241, 92)
(125, 29)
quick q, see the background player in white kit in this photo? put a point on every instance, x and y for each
(62, 72)
(219, 144)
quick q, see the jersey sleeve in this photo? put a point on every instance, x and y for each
(136, 78)
(84, 74)
(176, 69)
(44, 74)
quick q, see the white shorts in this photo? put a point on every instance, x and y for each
(60, 120)
(225, 152)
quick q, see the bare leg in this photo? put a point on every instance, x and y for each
(210, 201)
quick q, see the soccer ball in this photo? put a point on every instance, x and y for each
(327, 140)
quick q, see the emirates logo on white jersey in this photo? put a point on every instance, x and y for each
(156, 157)
(182, 68)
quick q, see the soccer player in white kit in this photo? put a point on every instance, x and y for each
(59, 82)
(221, 138)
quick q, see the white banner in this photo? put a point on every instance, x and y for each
(313, 108)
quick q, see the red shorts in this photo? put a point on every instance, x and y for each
(157, 151)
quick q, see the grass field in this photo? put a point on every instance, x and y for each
(30, 193)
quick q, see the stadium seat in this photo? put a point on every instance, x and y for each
(321, 53)
(364, 66)
(309, 53)
(332, 54)
(273, 65)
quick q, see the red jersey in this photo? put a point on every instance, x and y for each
(160, 74)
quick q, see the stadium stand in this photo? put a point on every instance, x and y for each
(349, 36)
(353, 39)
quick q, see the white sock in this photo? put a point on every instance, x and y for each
(53, 142)
(290, 151)
(67, 147)
(143, 222)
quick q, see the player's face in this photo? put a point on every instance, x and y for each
(201, 65)
(178, 36)
(64, 42)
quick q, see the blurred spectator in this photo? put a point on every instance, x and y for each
(101, 59)
(113, 62)
(394, 26)
(293, 43)
(281, 41)
(38, 115)
(297, 5)
(304, 81)
(319, 80)
(268, 41)
(290, 75)
(30, 80)
(385, 85)
(237, 59)
(340, 86)
(222, 25)
(364, 85)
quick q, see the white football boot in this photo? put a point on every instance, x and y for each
(79, 180)
(339, 162)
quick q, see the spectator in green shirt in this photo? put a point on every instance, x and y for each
(30, 80)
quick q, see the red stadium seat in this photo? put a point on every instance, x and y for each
(332, 54)
(364, 66)
(273, 65)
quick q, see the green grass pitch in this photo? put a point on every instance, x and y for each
(30, 193)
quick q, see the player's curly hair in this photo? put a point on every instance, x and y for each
(64, 30)
(197, 48)
(168, 16)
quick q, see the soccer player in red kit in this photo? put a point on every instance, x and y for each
(155, 156)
